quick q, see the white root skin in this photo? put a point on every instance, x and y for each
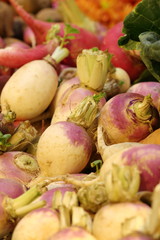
(30, 90)
(123, 78)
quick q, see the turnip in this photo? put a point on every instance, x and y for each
(13, 209)
(39, 224)
(128, 117)
(30, 90)
(137, 236)
(121, 58)
(63, 148)
(72, 233)
(83, 40)
(72, 98)
(18, 165)
(145, 88)
(120, 219)
(145, 156)
(11, 187)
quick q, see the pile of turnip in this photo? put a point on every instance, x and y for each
(79, 135)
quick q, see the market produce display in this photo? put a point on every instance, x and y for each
(79, 120)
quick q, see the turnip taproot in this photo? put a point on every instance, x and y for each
(145, 88)
(63, 148)
(39, 224)
(30, 89)
(11, 187)
(128, 117)
(72, 233)
(145, 156)
(18, 165)
(120, 219)
(84, 39)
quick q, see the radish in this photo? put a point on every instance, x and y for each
(120, 219)
(145, 156)
(35, 85)
(39, 224)
(11, 187)
(63, 148)
(18, 165)
(145, 88)
(72, 233)
(29, 37)
(15, 57)
(121, 58)
(83, 40)
(128, 117)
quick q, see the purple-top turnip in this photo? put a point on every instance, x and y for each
(128, 117)
(147, 159)
(72, 233)
(11, 187)
(145, 88)
(64, 147)
(18, 165)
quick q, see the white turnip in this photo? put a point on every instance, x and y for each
(39, 224)
(30, 90)
(120, 219)
(72, 233)
(64, 147)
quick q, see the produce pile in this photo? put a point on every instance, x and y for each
(80, 123)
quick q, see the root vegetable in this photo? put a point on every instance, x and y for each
(145, 88)
(15, 57)
(11, 187)
(39, 224)
(152, 138)
(119, 220)
(30, 89)
(145, 156)
(63, 148)
(133, 66)
(83, 40)
(72, 233)
(128, 117)
(19, 166)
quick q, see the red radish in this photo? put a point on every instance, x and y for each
(83, 40)
(2, 42)
(3, 80)
(72, 233)
(29, 37)
(39, 224)
(15, 57)
(11, 187)
(64, 147)
(128, 117)
(121, 58)
(145, 88)
(20, 166)
(145, 156)
(120, 219)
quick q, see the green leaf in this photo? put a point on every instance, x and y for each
(70, 30)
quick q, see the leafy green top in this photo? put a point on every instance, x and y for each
(142, 32)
